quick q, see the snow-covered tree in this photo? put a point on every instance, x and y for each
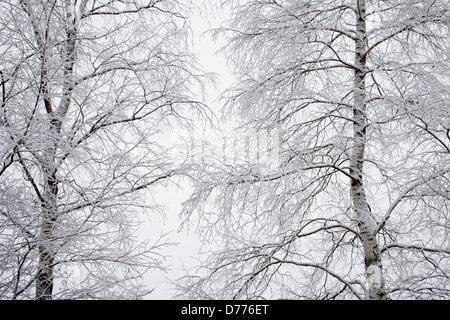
(87, 90)
(358, 206)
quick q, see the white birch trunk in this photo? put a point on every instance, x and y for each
(366, 224)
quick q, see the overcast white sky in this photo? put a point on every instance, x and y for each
(185, 252)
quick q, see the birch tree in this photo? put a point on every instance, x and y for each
(88, 90)
(358, 206)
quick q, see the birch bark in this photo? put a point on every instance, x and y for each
(366, 223)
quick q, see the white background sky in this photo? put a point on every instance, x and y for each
(184, 254)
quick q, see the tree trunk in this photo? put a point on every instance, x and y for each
(366, 224)
(47, 250)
